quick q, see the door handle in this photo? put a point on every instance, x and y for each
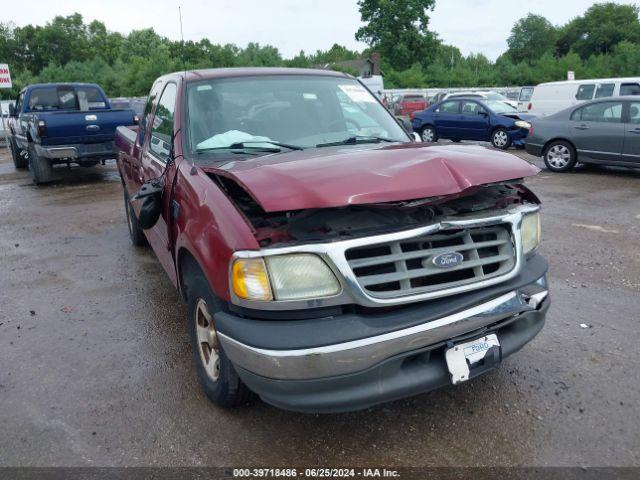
(634, 130)
(581, 127)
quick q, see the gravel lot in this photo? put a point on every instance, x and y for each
(96, 369)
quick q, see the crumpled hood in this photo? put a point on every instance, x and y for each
(340, 176)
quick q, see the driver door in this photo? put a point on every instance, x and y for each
(154, 159)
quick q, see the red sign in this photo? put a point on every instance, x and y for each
(5, 76)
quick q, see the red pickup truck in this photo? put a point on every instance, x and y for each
(329, 261)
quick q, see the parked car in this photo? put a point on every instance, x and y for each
(549, 98)
(62, 123)
(326, 270)
(524, 98)
(410, 103)
(489, 95)
(473, 119)
(602, 131)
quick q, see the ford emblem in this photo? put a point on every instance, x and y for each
(447, 259)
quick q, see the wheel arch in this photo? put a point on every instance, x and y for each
(186, 264)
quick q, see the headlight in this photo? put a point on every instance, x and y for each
(283, 277)
(530, 232)
(523, 124)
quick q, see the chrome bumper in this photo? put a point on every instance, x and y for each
(358, 355)
(75, 151)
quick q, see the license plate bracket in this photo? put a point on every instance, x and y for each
(469, 359)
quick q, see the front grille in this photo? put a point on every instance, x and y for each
(405, 267)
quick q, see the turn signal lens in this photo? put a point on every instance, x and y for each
(531, 232)
(249, 279)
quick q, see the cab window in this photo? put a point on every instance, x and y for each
(162, 125)
(449, 107)
(605, 112)
(585, 92)
(605, 90)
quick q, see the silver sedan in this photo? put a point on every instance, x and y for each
(604, 131)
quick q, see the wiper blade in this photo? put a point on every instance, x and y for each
(357, 139)
(279, 144)
(238, 148)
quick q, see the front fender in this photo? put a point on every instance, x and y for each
(209, 227)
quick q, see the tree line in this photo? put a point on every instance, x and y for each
(603, 42)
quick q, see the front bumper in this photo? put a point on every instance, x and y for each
(298, 367)
(518, 136)
(77, 151)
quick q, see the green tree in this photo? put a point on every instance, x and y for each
(399, 30)
(600, 29)
(531, 37)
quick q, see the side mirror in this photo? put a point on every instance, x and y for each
(12, 110)
(151, 194)
(483, 113)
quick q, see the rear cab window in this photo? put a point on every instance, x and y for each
(585, 92)
(66, 97)
(604, 112)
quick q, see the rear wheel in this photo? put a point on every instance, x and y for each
(41, 169)
(560, 156)
(137, 235)
(500, 139)
(428, 134)
(19, 156)
(216, 373)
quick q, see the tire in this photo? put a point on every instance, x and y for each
(18, 155)
(428, 134)
(41, 169)
(500, 139)
(215, 372)
(136, 234)
(560, 156)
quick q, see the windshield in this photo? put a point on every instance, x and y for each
(500, 107)
(298, 110)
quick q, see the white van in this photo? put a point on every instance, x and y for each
(551, 97)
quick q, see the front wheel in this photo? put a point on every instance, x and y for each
(19, 156)
(500, 139)
(428, 134)
(560, 156)
(216, 373)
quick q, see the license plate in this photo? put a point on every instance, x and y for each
(464, 355)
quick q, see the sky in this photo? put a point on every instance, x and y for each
(474, 26)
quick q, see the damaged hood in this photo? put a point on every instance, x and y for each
(340, 176)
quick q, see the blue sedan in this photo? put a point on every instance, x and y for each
(473, 119)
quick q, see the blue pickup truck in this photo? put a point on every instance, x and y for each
(63, 123)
